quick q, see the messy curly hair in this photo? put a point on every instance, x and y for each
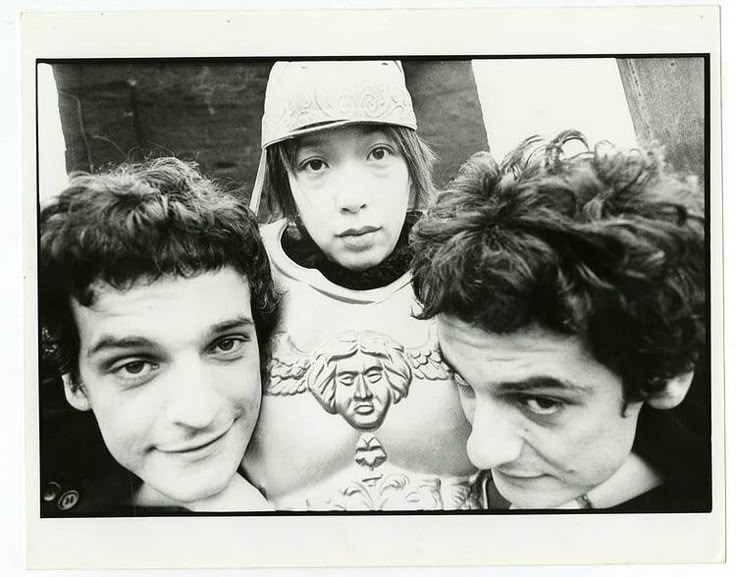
(140, 222)
(605, 243)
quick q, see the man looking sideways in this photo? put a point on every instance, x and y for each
(156, 292)
(569, 292)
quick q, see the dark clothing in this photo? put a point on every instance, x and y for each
(667, 498)
(88, 487)
(79, 477)
(671, 497)
(300, 247)
(677, 443)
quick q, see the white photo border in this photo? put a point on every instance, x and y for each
(386, 539)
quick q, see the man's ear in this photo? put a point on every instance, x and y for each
(74, 392)
(673, 394)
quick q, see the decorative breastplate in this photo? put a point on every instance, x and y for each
(359, 411)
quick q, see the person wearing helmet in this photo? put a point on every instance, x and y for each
(359, 411)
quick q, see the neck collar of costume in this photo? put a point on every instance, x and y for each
(301, 248)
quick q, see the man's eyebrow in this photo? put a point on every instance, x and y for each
(113, 342)
(239, 322)
(541, 382)
(531, 383)
(137, 342)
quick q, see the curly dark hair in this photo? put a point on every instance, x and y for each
(605, 244)
(143, 221)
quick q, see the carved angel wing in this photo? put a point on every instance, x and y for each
(426, 361)
(286, 367)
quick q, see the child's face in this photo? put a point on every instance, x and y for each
(546, 417)
(171, 371)
(351, 187)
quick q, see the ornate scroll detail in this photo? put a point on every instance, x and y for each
(399, 492)
(358, 375)
(305, 95)
(376, 491)
(376, 484)
(393, 492)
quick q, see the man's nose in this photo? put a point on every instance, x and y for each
(362, 390)
(354, 191)
(193, 400)
(495, 439)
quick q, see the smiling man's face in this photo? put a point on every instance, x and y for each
(171, 371)
(547, 419)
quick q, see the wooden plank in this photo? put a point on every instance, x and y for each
(666, 97)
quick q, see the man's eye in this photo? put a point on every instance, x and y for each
(229, 346)
(542, 405)
(135, 369)
(313, 165)
(379, 153)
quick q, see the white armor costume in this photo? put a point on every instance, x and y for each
(359, 412)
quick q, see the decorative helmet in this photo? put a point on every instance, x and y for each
(308, 96)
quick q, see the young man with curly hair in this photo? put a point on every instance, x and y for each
(569, 291)
(156, 292)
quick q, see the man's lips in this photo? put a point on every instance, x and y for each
(353, 232)
(198, 445)
(519, 474)
(520, 478)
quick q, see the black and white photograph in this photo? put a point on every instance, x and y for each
(311, 291)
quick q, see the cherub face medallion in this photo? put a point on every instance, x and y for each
(362, 394)
(357, 375)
